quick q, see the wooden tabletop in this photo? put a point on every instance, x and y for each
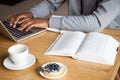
(77, 69)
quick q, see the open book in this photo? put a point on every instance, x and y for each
(94, 46)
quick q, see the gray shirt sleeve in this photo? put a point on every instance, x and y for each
(104, 14)
(100, 18)
(46, 7)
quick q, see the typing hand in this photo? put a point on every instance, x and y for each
(20, 18)
(34, 22)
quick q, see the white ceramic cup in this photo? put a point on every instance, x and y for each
(18, 54)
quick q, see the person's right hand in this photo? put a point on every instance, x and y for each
(20, 18)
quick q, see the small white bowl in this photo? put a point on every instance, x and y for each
(55, 77)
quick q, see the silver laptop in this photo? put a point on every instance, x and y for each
(16, 35)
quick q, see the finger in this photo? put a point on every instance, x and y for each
(23, 20)
(25, 25)
(29, 27)
(11, 21)
(37, 25)
(13, 24)
(17, 19)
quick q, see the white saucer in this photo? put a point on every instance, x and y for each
(48, 77)
(9, 65)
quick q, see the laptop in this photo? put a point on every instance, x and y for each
(16, 35)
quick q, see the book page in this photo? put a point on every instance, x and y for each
(99, 48)
(67, 44)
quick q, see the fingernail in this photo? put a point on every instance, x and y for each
(26, 30)
(20, 29)
(14, 26)
(10, 24)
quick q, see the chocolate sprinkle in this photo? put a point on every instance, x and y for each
(52, 67)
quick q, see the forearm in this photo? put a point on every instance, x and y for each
(100, 18)
(41, 10)
(46, 7)
(79, 23)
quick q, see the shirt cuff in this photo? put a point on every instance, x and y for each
(55, 22)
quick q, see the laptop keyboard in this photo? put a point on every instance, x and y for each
(14, 31)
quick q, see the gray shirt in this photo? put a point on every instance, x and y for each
(84, 15)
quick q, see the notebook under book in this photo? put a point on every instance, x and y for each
(16, 35)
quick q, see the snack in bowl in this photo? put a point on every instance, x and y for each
(53, 70)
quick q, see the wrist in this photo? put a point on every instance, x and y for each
(30, 14)
(47, 22)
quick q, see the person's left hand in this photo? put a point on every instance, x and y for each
(34, 22)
